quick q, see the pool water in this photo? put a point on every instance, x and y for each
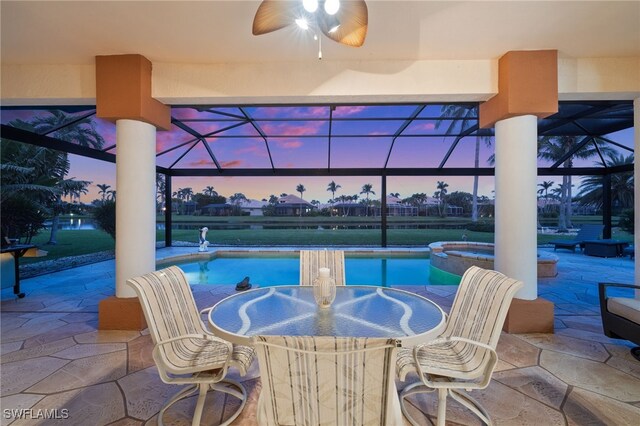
(285, 270)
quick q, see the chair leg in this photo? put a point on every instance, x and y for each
(240, 393)
(183, 393)
(442, 406)
(202, 396)
(414, 388)
(473, 405)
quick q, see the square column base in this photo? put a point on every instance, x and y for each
(529, 316)
(119, 313)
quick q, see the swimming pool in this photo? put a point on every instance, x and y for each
(268, 269)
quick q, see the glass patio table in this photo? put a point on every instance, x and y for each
(358, 311)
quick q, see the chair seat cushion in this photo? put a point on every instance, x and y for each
(625, 307)
(194, 355)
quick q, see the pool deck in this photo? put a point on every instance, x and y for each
(53, 356)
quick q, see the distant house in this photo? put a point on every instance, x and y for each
(186, 207)
(253, 207)
(350, 209)
(217, 210)
(290, 205)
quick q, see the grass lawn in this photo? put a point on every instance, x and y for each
(79, 242)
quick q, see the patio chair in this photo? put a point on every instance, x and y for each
(184, 351)
(327, 381)
(621, 315)
(464, 355)
(586, 233)
(312, 260)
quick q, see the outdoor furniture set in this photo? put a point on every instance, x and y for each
(461, 354)
(590, 244)
(621, 315)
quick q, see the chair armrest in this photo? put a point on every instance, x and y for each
(602, 290)
(492, 353)
(206, 311)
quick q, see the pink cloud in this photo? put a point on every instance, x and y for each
(349, 110)
(233, 163)
(307, 128)
(424, 126)
(289, 144)
(201, 162)
(255, 149)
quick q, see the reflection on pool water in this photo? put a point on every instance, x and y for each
(284, 269)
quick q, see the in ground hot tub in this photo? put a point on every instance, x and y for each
(455, 257)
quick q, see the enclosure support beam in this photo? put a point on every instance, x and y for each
(383, 211)
(606, 206)
(168, 210)
(636, 186)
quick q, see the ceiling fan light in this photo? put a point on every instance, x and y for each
(332, 24)
(310, 5)
(302, 23)
(331, 6)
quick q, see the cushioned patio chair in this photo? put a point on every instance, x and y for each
(312, 260)
(184, 351)
(587, 232)
(621, 315)
(464, 355)
(327, 381)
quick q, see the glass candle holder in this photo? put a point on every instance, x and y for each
(324, 288)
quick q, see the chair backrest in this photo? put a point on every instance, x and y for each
(312, 260)
(480, 306)
(171, 311)
(589, 231)
(326, 380)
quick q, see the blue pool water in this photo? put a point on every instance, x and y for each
(271, 270)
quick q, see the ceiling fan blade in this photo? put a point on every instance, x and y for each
(354, 19)
(272, 15)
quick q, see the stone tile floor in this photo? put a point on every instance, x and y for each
(52, 357)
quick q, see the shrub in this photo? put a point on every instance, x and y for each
(626, 221)
(480, 227)
(105, 216)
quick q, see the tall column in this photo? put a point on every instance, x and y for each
(636, 187)
(123, 95)
(136, 202)
(515, 206)
(527, 90)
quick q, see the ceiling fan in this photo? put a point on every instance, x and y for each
(342, 21)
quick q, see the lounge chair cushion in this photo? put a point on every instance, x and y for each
(625, 307)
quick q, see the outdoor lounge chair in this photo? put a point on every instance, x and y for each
(464, 355)
(586, 233)
(327, 381)
(621, 315)
(184, 351)
(312, 260)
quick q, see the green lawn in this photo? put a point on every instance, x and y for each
(78, 242)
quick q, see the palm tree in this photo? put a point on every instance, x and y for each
(621, 185)
(441, 195)
(300, 188)
(554, 148)
(395, 194)
(82, 132)
(465, 116)
(104, 189)
(237, 199)
(161, 186)
(367, 189)
(210, 191)
(544, 192)
(333, 187)
(273, 199)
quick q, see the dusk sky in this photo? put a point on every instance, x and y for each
(303, 144)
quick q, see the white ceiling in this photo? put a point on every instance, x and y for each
(55, 32)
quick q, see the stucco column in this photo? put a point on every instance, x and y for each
(515, 205)
(636, 187)
(135, 206)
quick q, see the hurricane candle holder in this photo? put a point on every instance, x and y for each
(324, 288)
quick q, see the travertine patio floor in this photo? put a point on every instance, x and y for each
(54, 358)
